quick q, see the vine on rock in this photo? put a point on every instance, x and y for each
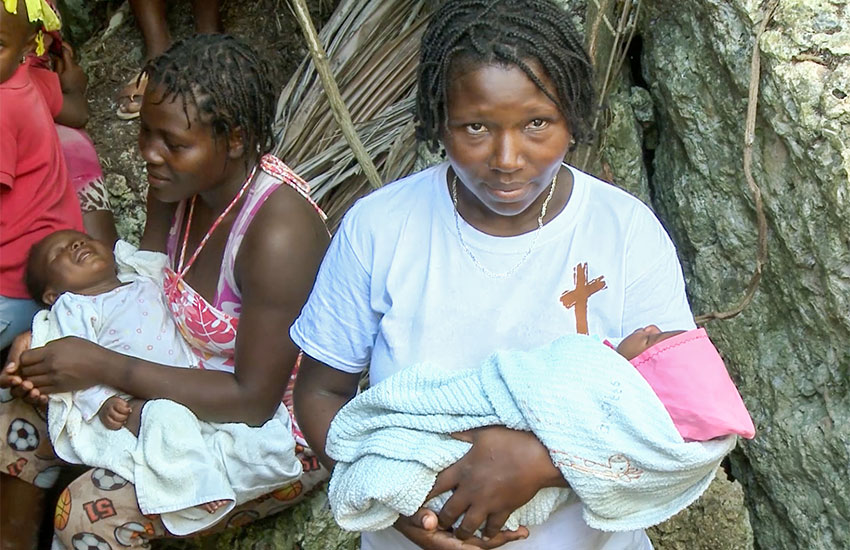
(749, 138)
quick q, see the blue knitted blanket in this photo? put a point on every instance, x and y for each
(604, 427)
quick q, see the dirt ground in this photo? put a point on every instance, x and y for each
(115, 55)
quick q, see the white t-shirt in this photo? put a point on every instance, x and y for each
(396, 288)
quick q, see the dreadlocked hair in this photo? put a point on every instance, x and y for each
(228, 82)
(506, 32)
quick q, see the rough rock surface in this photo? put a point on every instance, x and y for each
(81, 18)
(788, 350)
(308, 526)
(717, 521)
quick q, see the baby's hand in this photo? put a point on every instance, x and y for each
(114, 413)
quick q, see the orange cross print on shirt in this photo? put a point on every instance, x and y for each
(579, 296)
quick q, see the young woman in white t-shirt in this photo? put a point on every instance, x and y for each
(502, 246)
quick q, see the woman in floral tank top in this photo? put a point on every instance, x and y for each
(245, 242)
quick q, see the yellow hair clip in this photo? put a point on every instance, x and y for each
(39, 43)
(38, 11)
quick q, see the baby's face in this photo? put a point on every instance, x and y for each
(642, 339)
(73, 262)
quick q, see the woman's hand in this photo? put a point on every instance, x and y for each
(20, 344)
(502, 471)
(10, 376)
(422, 529)
(73, 80)
(67, 364)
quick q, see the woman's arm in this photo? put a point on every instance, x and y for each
(275, 269)
(320, 392)
(74, 82)
(157, 224)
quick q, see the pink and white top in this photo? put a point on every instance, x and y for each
(210, 328)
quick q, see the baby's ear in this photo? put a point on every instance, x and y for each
(236, 143)
(49, 297)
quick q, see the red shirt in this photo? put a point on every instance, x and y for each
(36, 196)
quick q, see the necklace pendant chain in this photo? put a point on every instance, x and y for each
(181, 268)
(504, 275)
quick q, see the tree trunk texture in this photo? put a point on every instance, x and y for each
(789, 349)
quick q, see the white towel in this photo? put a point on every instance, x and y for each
(178, 461)
(604, 427)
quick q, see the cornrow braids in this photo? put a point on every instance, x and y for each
(505, 32)
(228, 82)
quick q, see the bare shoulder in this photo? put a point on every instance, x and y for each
(286, 237)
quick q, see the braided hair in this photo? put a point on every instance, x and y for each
(504, 32)
(228, 82)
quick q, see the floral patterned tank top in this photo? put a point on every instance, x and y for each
(210, 328)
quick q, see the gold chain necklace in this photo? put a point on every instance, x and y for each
(511, 271)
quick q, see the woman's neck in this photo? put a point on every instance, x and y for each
(219, 197)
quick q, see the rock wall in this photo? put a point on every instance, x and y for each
(717, 521)
(81, 18)
(308, 526)
(788, 350)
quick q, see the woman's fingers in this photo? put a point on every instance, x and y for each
(10, 368)
(21, 389)
(20, 344)
(33, 396)
(446, 480)
(472, 520)
(432, 539)
(501, 538)
(40, 380)
(31, 359)
(9, 377)
(436, 539)
(69, 364)
(425, 518)
(494, 525)
(454, 507)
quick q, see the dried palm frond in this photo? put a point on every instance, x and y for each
(373, 49)
(608, 46)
